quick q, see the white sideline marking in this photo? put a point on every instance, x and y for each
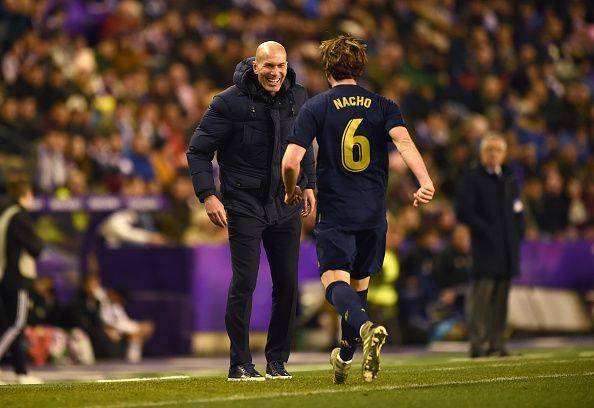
(539, 355)
(170, 377)
(516, 363)
(351, 389)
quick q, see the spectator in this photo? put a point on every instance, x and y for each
(139, 156)
(45, 309)
(178, 219)
(452, 276)
(577, 213)
(53, 164)
(532, 197)
(555, 205)
(118, 324)
(128, 226)
(417, 288)
(84, 312)
(46, 338)
(489, 203)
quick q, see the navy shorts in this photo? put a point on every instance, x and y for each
(360, 253)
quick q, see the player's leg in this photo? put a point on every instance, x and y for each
(336, 252)
(341, 357)
(371, 248)
(348, 304)
(281, 243)
(244, 241)
(350, 337)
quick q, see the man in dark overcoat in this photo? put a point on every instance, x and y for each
(488, 202)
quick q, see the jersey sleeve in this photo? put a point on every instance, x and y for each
(392, 115)
(304, 129)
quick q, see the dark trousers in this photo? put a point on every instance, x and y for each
(13, 318)
(487, 315)
(281, 243)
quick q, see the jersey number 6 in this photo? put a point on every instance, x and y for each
(350, 144)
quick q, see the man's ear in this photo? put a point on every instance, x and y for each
(255, 67)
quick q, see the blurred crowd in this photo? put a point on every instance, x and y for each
(102, 96)
(92, 324)
(95, 92)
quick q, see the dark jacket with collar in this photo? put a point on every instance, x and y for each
(248, 128)
(490, 205)
(21, 245)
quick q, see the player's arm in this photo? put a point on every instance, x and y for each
(411, 156)
(291, 166)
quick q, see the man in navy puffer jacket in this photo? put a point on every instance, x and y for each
(247, 126)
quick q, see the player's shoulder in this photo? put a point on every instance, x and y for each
(384, 101)
(317, 102)
(378, 99)
(322, 97)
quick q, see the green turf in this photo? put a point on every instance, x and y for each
(546, 378)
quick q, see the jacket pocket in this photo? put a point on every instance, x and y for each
(254, 137)
(255, 147)
(241, 181)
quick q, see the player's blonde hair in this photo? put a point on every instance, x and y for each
(343, 57)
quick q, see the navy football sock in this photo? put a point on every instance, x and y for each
(347, 303)
(350, 336)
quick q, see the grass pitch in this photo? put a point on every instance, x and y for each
(539, 378)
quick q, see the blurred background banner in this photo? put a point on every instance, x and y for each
(568, 265)
(184, 290)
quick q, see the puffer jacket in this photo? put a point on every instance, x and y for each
(248, 128)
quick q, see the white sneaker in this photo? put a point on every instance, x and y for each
(28, 379)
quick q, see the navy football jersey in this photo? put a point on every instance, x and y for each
(351, 126)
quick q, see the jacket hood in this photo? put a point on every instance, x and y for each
(247, 81)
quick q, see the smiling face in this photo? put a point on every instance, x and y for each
(270, 66)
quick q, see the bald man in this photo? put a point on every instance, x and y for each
(247, 126)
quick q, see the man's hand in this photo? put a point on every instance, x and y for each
(216, 211)
(309, 204)
(424, 194)
(295, 198)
